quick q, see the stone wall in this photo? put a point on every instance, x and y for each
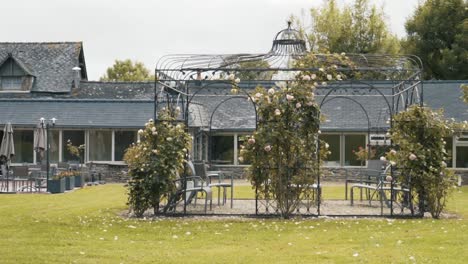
(118, 173)
(106, 172)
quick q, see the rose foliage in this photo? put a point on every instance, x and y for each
(154, 162)
(421, 156)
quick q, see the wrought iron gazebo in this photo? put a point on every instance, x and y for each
(200, 84)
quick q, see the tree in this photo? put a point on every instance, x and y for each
(438, 34)
(127, 71)
(357, 28)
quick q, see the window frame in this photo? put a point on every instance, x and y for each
(342, 143)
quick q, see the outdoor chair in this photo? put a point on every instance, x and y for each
(215, 179)
(381, 189)
(193, 186)
(21, 179)
(369, 176)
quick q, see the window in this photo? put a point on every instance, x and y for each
(222, 149)
(461, 151)
(77, 138)
(462, 157)
(123, 140)
(333, 142)
(352, 144)
(24, 142)
(54, 148)
(341, 147)
(13, 77)
(100, 145)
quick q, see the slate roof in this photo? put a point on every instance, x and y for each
(113, 105)
(51, 63)
(447, 95)
(114, 90)
(84, 113)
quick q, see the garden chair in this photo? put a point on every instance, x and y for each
(194, 185)
(215, 179)
(368, 176)
(21, 179)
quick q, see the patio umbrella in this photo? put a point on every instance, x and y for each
(7, 149)
(40, 140)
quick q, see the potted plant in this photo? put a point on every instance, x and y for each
(76, 151)
(56, 184)
(69, 180)
(78, 179)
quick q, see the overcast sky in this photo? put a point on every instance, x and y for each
(145, 30)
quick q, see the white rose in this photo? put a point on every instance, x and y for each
(267, 148)
(306, 78)
(383, 158)
(237, 80)
(329, 77)
(313, 76)
(277, 112)
(298, 105)
(271, 91)
(289, 97)
(140, 131)
(412, 156)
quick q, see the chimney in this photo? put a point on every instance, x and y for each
(76, 77)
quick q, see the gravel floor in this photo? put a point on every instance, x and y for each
(328, 207)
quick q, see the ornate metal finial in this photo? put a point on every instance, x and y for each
(288, 42)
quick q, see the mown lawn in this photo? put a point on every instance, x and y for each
(84, 226)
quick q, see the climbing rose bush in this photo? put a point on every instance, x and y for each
(421, 156)
(283, 151)
(155, 160)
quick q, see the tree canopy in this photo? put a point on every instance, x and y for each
(438, 34)
(127, 71)
(355, 28)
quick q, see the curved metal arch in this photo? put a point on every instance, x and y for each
(204, 87)
(355, 101)
(390, 108)
(214, 112)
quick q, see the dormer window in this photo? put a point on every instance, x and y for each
(14, 77)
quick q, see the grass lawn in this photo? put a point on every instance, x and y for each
(84, 227)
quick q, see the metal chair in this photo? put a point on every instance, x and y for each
(215, 179)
